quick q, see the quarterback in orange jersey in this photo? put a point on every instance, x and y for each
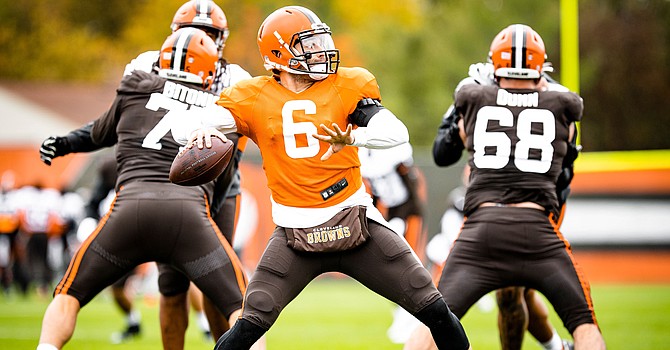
(296, 175)
(303, 118)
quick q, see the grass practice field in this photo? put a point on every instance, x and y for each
(341, 314)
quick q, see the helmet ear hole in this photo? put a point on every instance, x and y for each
(277, 53)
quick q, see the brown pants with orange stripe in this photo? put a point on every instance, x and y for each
(158, 222)
(384, 264)
(507, 246)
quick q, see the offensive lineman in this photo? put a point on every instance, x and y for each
(151, 219)
(517, 136)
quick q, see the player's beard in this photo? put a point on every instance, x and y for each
(304, 80)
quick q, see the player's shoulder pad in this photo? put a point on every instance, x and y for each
(464, 82)
(140, 81)
(570, 98)
(477, 80)
(572, 103)
(470, 91)
(353, 84)
(246, 89)
(553, 86)
(353, 77)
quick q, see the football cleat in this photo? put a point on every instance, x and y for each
(568, 345)
(207, 336)
(131, 332)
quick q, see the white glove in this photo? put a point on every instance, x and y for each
(143, 62)
(482, 73)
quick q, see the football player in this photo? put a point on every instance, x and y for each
(518, 135)
(519, 307)
(151, 219)
(209, 17)
(302, 118)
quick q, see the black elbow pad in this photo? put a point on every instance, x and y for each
(572, 152)
(567, 172)
(365, 109)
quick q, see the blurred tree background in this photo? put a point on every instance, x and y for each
(418, 49)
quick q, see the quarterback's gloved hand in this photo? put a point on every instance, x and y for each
(52, 147)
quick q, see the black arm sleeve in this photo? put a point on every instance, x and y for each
(365, 109)
(448, 146)
(80, 140)
(567, 173)
(103, 132)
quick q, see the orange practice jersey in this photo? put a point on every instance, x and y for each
(281, 123)
(242, 143)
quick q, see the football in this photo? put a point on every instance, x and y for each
(194, 166)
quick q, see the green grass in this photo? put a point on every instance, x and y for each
(341, 314)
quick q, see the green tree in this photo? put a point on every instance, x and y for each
(625, 55)
(40, 43)
(418, 50)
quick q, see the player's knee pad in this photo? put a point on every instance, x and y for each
(262, 306)
(418, 278)
(260, 300)
(417, 286)
(445, 327)
(242, 336)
